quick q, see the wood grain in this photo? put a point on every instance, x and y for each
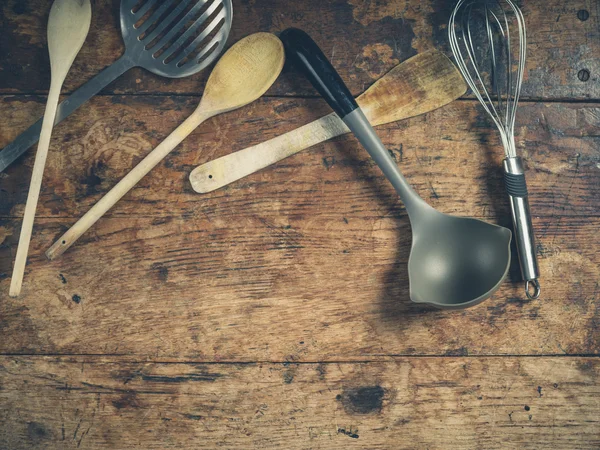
(225, 287)
(452, 156)
(405, 403)
(274, 313)
(286, 255)
(363, 39)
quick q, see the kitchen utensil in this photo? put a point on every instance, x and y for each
(455, 262)
(420, 84)
(68, 26)
(241, 76)
(497, 28)
(171, 38)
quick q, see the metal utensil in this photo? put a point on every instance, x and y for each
(420, 84)
(244, 73)
(455, 262)
(68, 26)
(171, 38)
(497, 28)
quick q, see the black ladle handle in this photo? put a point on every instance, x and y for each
(307, 57)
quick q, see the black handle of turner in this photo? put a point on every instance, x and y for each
(308, 58)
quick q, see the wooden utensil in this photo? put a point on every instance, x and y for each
(242, 75)
(68, 26)
(418, 85)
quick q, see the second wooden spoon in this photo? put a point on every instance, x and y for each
(68, 26)
(242, 75)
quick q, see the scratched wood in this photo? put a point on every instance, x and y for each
(275, 313)
(405, 403)
(452, 156)
(270, 288)
(313, 250)
(364, 39)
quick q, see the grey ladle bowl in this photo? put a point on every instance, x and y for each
(455, 262)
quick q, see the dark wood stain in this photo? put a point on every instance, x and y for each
(363, 400)
(350, 433)
(202, 377)
(127, 400)
(37, 432)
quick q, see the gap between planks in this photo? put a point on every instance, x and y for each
(122, 358)
(64, 95)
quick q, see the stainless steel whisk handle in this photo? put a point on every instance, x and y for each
(514, 177)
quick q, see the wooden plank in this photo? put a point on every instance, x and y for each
(314, 250)
(275, 313)
(364, 40)
(222, 286)
(452, 156)
(445, 403)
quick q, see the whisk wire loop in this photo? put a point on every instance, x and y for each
(488, 38)
(500, 95)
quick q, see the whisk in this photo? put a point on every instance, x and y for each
(488, 39)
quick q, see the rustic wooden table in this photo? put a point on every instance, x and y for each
(275, 312)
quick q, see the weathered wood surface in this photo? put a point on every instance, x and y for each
(452, 156)
(364, 39)
(312, 250)
(275, 312)
(407, 403)
(184, 288)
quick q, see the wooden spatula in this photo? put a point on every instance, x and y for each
(418, 85)
(68, 26)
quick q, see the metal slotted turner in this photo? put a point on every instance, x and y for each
(171, 38)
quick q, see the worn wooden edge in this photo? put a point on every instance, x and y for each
(450, 403)
(363, 40)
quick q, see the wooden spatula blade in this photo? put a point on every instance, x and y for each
(420, 84)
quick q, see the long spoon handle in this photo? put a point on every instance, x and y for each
(229, 168)
(124, 186)
(34, 190)
(30, 136)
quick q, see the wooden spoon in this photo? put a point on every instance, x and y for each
(242, 75)
(68, 26)
(418, 85)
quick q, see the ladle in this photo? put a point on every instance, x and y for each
(455, 262)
